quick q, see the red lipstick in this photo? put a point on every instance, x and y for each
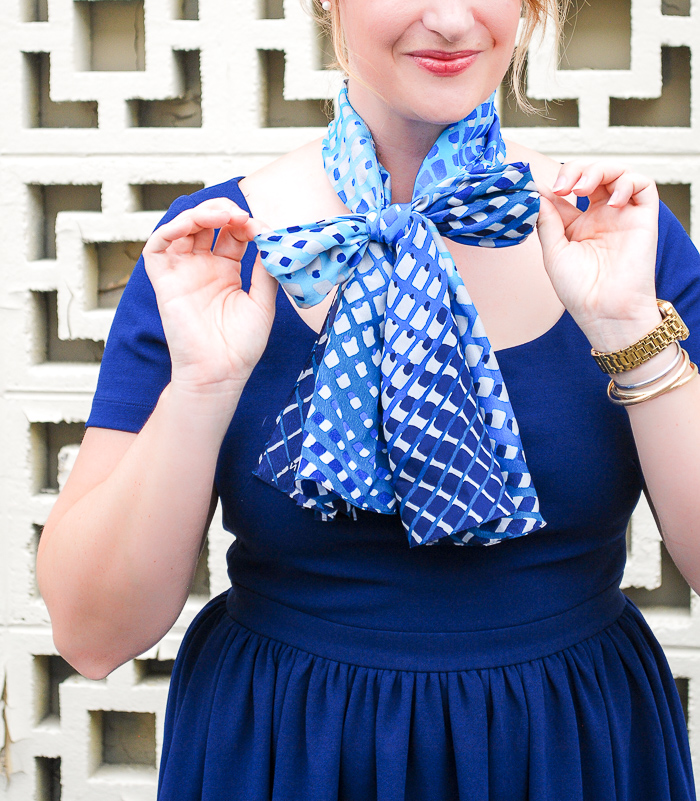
(441, 62)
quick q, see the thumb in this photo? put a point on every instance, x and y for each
(550, 229)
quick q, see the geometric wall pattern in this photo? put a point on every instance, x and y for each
(111, 109)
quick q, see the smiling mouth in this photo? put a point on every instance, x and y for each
(440, 62)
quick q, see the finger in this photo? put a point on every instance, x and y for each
(632, 187)
(583, 178)
(551, 229)
(567, 211)
(263, 288)
(234, 239)
(207, 216)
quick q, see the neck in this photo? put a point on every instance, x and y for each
(401, 144)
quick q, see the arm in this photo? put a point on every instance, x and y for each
(119, 550)
(603, 270)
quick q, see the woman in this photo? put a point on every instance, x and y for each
(344, 664)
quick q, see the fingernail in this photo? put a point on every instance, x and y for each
(614, 198)
(580, 184)
(559, 183)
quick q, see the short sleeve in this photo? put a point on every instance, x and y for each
(678, 276)
(135, 367)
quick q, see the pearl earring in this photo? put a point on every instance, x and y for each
(326, 5)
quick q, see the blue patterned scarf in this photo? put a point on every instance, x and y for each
(402, 407)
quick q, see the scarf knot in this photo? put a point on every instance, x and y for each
(402, 406)
(389, 225)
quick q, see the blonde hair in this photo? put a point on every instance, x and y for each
(537, 14)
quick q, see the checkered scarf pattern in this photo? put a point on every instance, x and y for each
(401, 406)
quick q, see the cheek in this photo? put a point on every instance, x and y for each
(372, 29)
(501, 19)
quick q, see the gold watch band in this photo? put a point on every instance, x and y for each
(669, 330)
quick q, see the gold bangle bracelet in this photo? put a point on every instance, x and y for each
(633, 398)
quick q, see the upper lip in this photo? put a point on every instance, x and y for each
(443, 55)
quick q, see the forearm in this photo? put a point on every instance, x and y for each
(667, 435)
(115, 568)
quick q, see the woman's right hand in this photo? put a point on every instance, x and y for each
(216, 332)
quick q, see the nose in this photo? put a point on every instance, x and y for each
(452, 19)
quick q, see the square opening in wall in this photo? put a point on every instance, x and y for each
(46, 202)
(110, 35)
(154, 670)
(672, 109)
(547, 114)
(110, 265)
(35, 10)
(201, 581)
(673, 594)
(48, 778)
(123, 738)
(187, 9)
(36, 537)
(46, 442)
(46, 344)
(183, 111)
(675, 8)
(40, 111)
(682, 687)
(271, 9)
(50, 671)
(677, 198)
(159, 197)
(281, 113)
(597, 35)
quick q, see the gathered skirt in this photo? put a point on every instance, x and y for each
(271, 704)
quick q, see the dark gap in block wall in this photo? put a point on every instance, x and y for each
(271, 9)
(673, 593)
(47, 439)
(48, 778)
(113, 263)
(40, 110)
(47, 201)
(154, 669)
(159, 197)
(124, 738)
(201, 581)
(672, 109)
(281, 113)
(553, 113)
(36, 10)
(588, 44)
(677, 198)
(682, 687)
(110, 36)
(675, 8)
(50, 671)
(48, 347)
(36, 537)
(188, 9)
(184, 111)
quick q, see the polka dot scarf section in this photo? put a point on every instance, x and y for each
(401, 407)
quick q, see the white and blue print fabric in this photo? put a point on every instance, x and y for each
(402, 407)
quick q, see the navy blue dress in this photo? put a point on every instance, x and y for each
(343, 664)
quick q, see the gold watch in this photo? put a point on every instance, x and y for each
(669, 330)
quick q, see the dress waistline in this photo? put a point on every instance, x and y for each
(424, 651)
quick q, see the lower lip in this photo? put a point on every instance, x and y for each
(445, 66)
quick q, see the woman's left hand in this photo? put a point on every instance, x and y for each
(601, 262)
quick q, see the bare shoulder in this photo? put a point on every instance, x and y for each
(544, 169)
(292, 189)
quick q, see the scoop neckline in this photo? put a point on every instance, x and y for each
(311, 330)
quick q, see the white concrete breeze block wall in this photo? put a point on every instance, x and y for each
(112, 108)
